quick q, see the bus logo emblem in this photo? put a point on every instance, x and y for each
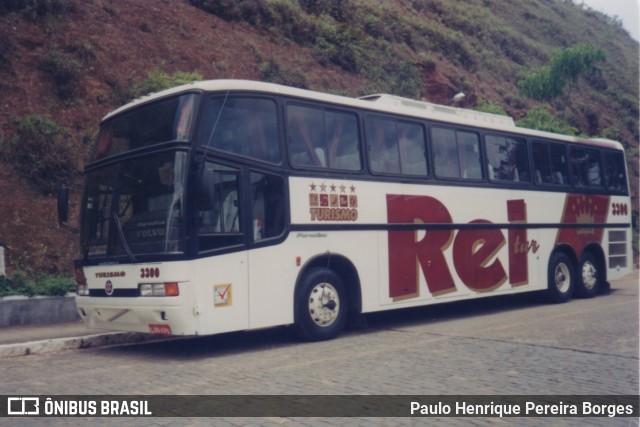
(108, 288)
(333, 202)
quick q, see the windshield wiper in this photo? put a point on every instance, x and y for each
(116, 221)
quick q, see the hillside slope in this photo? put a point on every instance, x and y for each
(73, 61)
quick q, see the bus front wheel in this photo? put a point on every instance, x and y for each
(561, 278)
(321, 305)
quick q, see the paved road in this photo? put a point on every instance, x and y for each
(508, 345)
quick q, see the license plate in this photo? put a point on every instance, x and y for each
(160, 329)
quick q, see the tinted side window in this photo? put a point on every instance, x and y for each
(456, 154)
(585, 167)
(396, 147)
(382, 139)
(245, 126)
(507, 159)
(411, 141)
(550, 164)
(324, 139)
(614, 172)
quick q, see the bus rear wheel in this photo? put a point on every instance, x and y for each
(588, 283)
(561, 278)
(321, 305)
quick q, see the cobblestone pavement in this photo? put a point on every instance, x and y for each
(509, 345)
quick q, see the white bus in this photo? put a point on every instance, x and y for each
(232, 205)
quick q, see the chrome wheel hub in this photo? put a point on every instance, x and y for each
(324, 304)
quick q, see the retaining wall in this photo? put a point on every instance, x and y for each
(38, 310)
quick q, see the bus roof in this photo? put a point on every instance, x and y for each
(383, 103)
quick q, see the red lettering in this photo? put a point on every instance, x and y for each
(406, 252)
(518, 266)
(472, 251)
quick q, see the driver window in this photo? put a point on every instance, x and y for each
(219, 218)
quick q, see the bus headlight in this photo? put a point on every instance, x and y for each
(169, 289)
(82, 290)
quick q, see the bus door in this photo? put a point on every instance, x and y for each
(272, 272)
(221, 271)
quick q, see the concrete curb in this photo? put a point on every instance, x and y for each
(72, 343)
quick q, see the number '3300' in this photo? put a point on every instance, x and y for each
(147, 273)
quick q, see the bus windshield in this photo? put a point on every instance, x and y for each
(163, 121)
(135, 207)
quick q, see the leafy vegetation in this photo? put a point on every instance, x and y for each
(273, 71)
(541, 118)
(30, 277)
(158, 80)
(567, 65)
(65, 72)
(31, 283)
(490, 107)
(41, 151)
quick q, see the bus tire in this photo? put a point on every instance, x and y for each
(589, 276)
(321, 305)
(561, 278)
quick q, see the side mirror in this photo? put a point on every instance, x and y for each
(63, 204)
(63, 208)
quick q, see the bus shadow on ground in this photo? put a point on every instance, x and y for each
(226, 344)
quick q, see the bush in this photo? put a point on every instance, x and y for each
(567, 65)
(65, 71)
(158, 80)
(490, 107)
(540, 118)
(272, 71)
(41, 150)
(30, 284)
(401, 77)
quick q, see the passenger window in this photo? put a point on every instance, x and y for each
(219, 216)
(324, 139)
(507, 159)
(306, 137)
(411, 142)
(343, 142)
(614, 172)
(396, 147)
(268, 202)
(550, 163)
(245, 126)
(383, 145)
(456, 154)
(585, 167)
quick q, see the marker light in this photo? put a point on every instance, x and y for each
(169, 289)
